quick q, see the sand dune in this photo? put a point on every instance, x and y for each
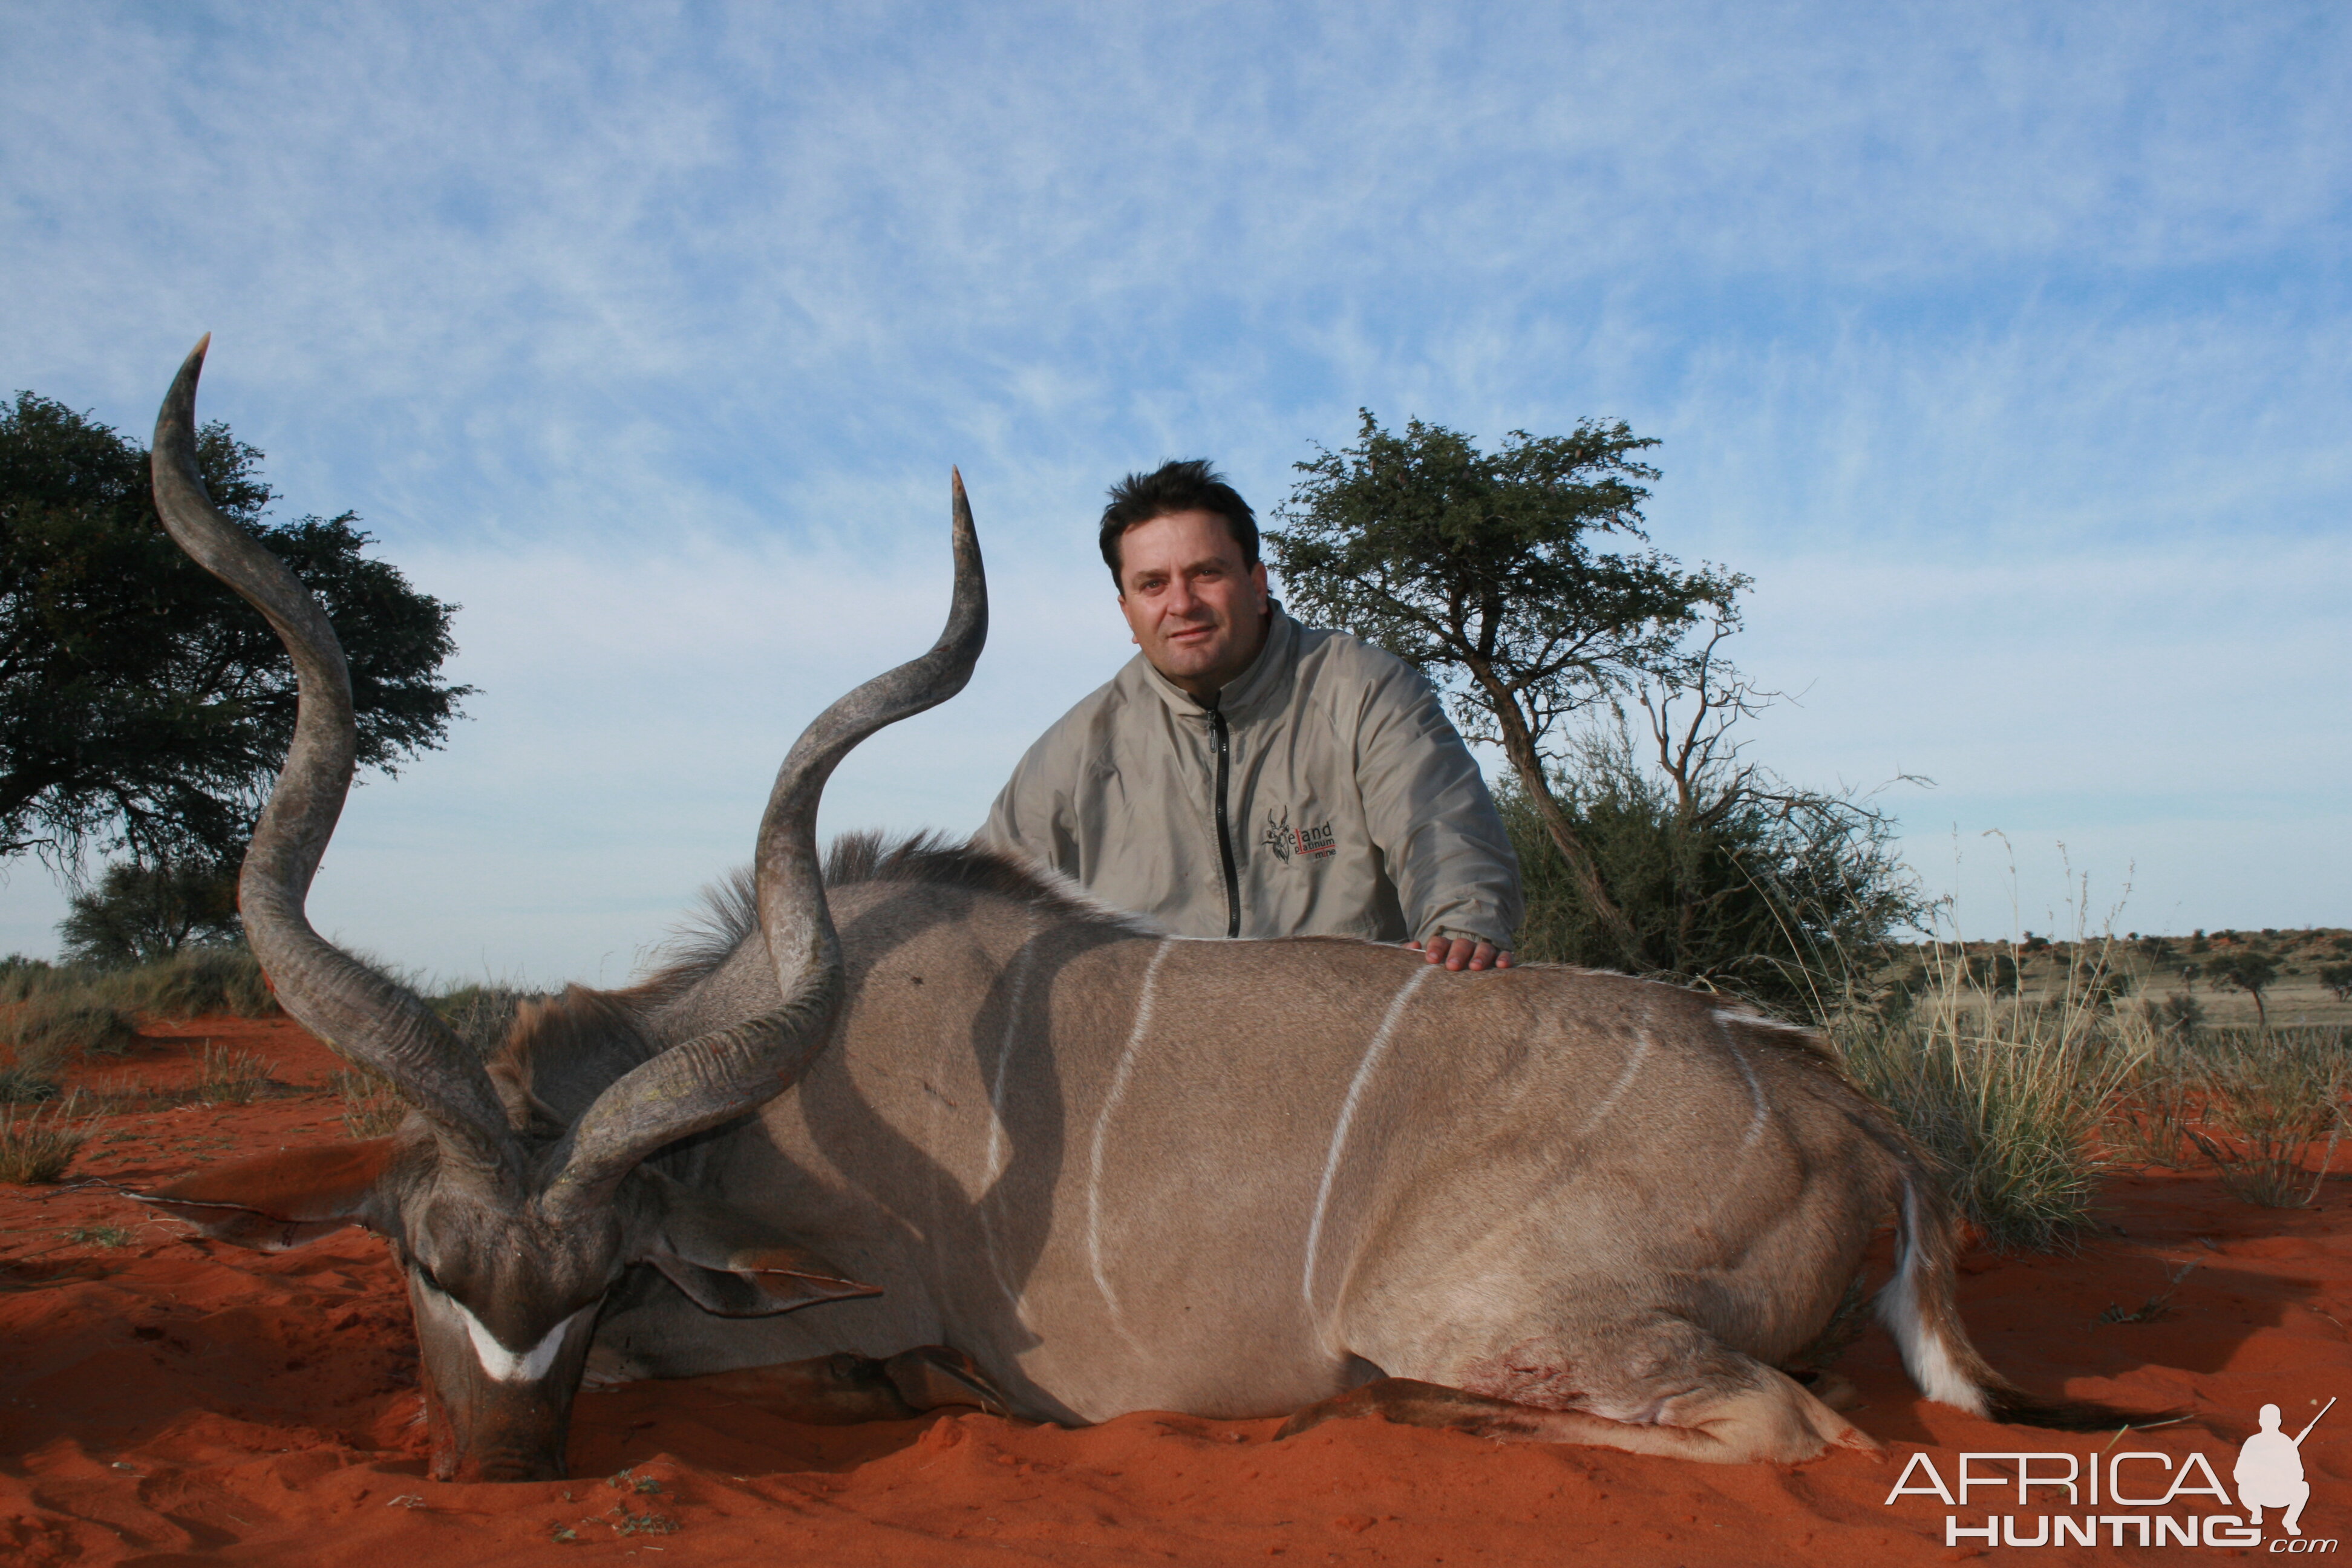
(168, 1400)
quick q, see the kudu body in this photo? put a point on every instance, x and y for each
(1121, 1171)
(1124, 1171)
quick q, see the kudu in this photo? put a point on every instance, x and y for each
(1121, 1170)
(512, 1224)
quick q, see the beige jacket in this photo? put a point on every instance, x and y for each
(1349, 805)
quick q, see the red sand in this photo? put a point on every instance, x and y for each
(175, 1401)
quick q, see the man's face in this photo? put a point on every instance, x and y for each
(1198, 614)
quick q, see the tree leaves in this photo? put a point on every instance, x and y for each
(142, 705)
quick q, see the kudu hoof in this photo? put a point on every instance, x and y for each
(929, 1376)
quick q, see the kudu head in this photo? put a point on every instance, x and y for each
(509, 1223)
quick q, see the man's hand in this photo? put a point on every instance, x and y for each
(1462, 952)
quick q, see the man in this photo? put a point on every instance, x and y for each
(1248, 776)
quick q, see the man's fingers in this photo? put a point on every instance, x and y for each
(1459, 953)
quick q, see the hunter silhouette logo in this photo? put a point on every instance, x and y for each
(2269, 1471)
(2134, 1497)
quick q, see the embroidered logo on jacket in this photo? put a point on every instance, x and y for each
(1306, 843)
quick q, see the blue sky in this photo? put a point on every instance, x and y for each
(2006, 347)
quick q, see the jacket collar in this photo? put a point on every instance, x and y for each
(1260, 685)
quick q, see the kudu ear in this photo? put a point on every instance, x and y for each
(278, 1201)
(729, 1264)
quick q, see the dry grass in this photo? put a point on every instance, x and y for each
(225, 1076)
(98, 1235)
(2264, 1108)
(2024, 1068)
(371, 1107)
(22, 1085)
(38, 1145)
(2006, 1094)
(480, 1014)
(52, 1026)
(195, 982)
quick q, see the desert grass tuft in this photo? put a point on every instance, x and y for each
(26, 1084)
(227, 1076)
(2269, 1102)
(371, 1108)
(37, 1146)
(99, 1236)
(53, 1025)
(481, 1015)
(2005, 1095)
(195, 982)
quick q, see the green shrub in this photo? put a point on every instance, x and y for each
(1787, 898)
(138, 914)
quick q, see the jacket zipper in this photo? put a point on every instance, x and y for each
(1224, 837)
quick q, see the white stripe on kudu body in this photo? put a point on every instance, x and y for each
(1118, 1079)
(1625, 1076)
(1754, 1088)
(992, 1167)
(1371, 1059)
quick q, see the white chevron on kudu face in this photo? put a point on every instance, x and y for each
(1118, 1092)
(1373, 1052)
(503, 1364)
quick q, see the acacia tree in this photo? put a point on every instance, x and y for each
(2250, 972)
(140, 912)
(143, 707)
(1491, 573)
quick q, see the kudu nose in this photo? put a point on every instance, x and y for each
(513, 1467)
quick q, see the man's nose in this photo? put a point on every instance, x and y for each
(1181, 599)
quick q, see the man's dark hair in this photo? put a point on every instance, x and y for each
(1188, 485)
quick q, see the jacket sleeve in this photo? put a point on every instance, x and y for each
(1429, 811)
(1034, 814)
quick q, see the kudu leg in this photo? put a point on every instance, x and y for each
(842, 1389)
(1775, 1422)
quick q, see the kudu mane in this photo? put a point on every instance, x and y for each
(584, 1039)
(728, 915)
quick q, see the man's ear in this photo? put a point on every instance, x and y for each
(277, 1201)
(728, 1264)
